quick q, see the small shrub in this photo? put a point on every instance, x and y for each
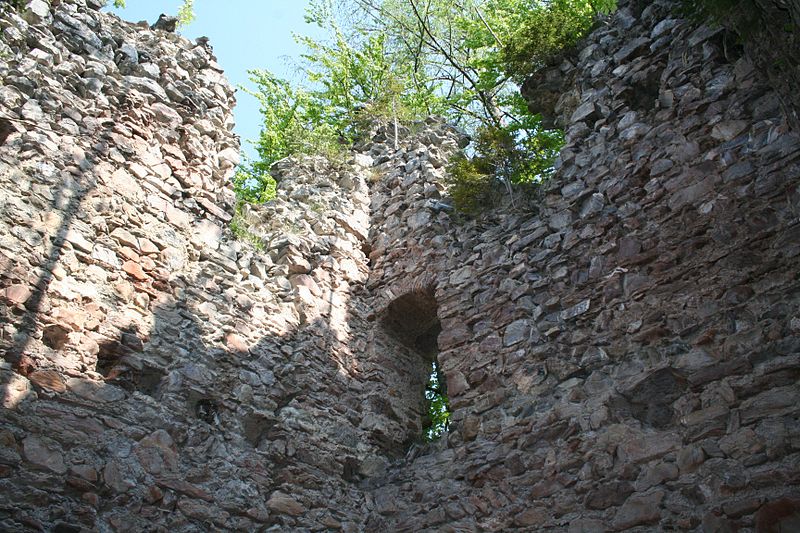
(253, 184)
(546, 30)
(241, 229)
(512, 155)
(468, 186)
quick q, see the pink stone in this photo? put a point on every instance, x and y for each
(147, 247)
(48, 380)
(236, 343)
(18, 294)
(134, 270)
(177, 216)
(147, 263)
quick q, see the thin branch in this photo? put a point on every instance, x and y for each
(488, 104)
(496, 38)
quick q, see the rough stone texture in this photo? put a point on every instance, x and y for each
(773, 44)
(624, 356)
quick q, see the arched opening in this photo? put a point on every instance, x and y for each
(411, 321)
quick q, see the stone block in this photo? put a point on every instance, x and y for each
(639, 510)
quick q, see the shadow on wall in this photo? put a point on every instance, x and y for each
(312, 399)
(413, 319)
(26, 286)
(245, 408)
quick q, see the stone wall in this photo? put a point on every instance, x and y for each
(622, 349)
(628, 357)
(773, 45)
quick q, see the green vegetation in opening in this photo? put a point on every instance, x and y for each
(402, 60)
(438, 404)
(254, 187)
(541, 31)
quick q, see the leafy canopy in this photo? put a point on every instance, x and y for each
(352, 78)
(402, 60)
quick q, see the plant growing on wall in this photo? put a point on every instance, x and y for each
(522, 152)
(185, 12)
(740, 15)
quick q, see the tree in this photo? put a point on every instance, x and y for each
(404, 59)
(352, 79)
(471, 46)
(475, 52)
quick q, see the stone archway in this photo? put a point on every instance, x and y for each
(413, 319)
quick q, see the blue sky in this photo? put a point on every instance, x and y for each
(245, 34)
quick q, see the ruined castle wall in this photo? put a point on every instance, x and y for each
(154, 371)
(627, 358)
(621, 347)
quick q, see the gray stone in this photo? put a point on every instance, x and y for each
(586, 525)
(648, 447)
(608, 495)
(517, 331)
(166, 23)
(773, 402)
(95, 391)
(727, 130)
(114, 478)
(689, 458)
(280, 502)
(44, 452)
(167, 115)
(639, 510)
(656, 474)
(36, 12)
(586, 112)
(664, 27)
(634, 133)
(576, 310)
(127, 58)
(632, 49)
(420, 219)
(560, 220)
(592, 205)
(146, 86)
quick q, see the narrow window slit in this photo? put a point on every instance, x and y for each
(438, 404)
(412, 321)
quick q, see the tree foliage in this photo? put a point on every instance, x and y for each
(543, 32)
(402, 60)
(186, 13)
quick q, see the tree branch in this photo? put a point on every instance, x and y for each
(496, 38)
